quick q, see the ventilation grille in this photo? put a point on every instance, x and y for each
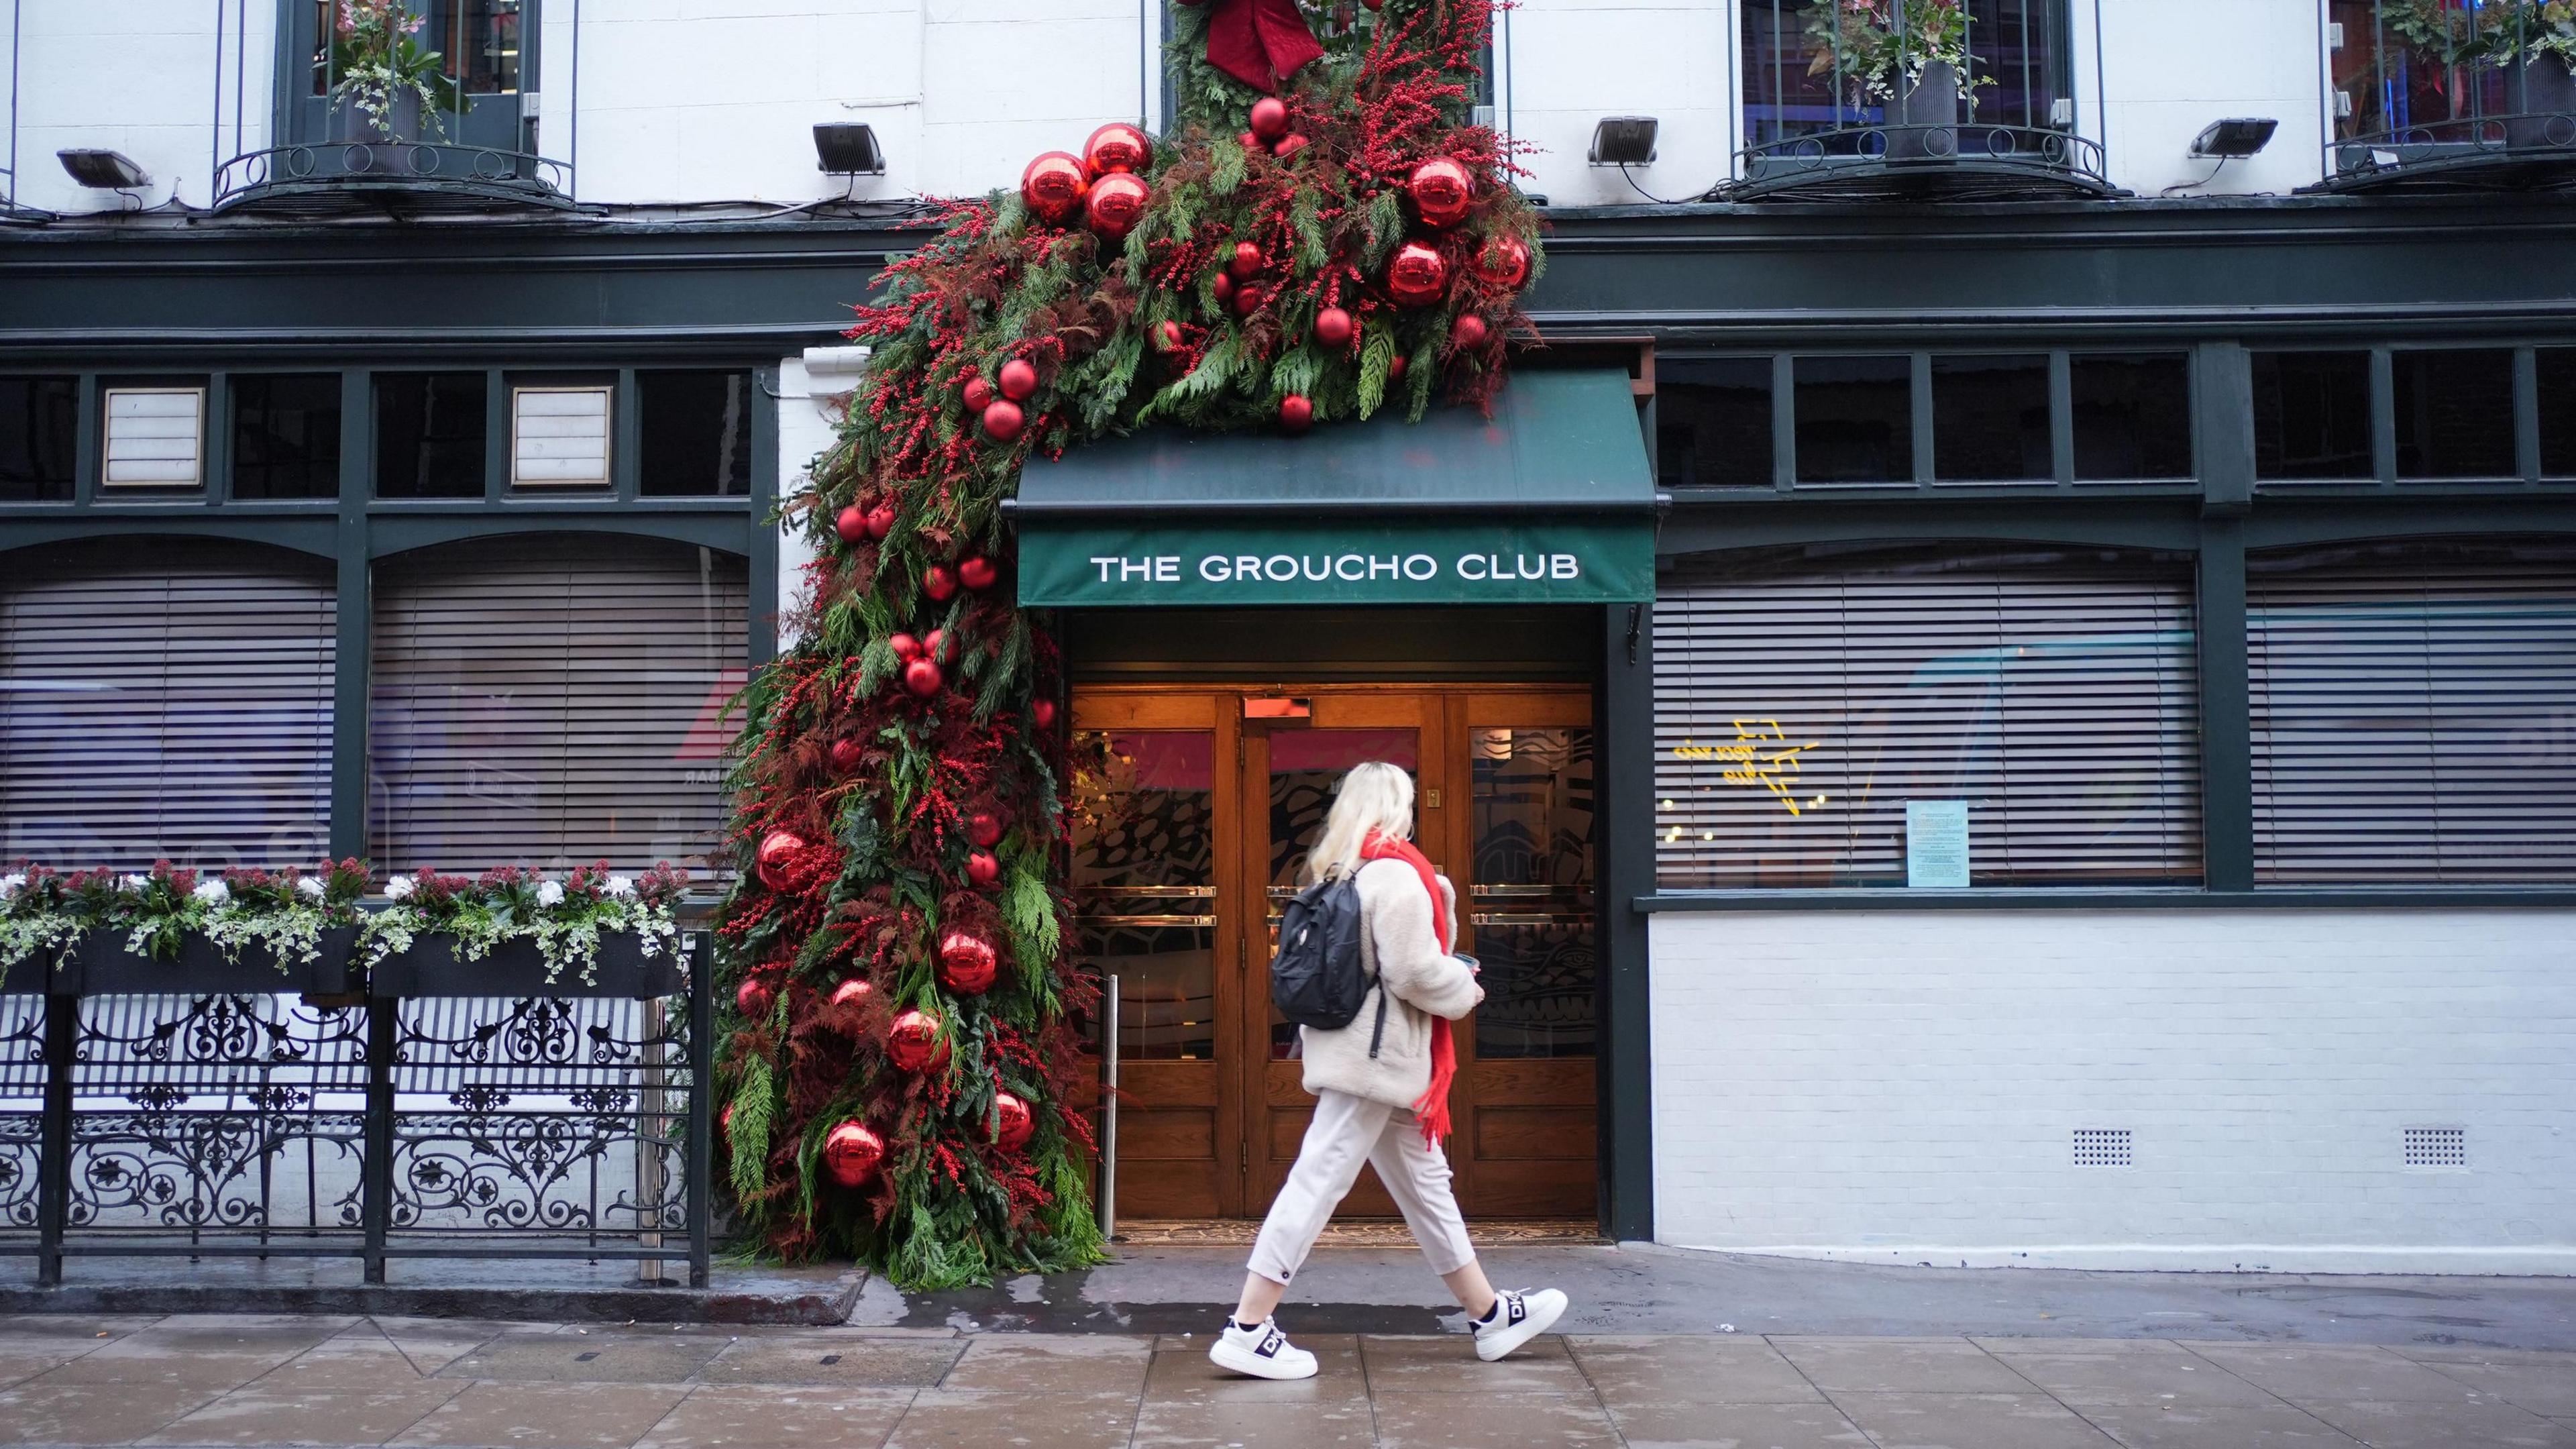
(2103, 1147)
(2437, 1147)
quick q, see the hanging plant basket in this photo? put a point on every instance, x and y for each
(100, 965)
(432, 967)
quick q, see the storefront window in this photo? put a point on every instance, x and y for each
(1144, 884)
(1805, 697)
(1855, 419)
(430, 430)
(286, 435)
(2132, 415)
(552, 701)
(1990, 420)
(2454, 413)
(165, 701)
(2414, 713)
(696, 433)
(39, 425)
(1713, 423)
(2312, 415)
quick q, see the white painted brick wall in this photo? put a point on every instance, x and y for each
(1903, 1085)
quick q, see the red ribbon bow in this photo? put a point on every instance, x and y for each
(1259, 42)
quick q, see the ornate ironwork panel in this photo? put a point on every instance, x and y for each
(22, 1105)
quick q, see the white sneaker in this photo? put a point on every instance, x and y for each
(1265, 1352)
(1517, 1318)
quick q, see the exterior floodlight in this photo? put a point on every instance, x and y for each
(848, 148)
(103, 170)
(1623, 141)
(2234, 138)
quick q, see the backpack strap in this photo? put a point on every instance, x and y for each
(1379, 1035)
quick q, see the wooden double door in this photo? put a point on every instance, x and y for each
(1194, 812)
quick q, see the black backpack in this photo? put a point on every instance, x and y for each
(1318, 978)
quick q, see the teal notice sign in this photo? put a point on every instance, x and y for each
(1289, 563)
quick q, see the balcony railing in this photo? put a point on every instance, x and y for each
(2451, 95)
(393, 174)
(1921, 160)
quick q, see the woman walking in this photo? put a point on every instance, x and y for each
(1381, 1097)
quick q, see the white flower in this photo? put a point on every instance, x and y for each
(213, 892)
(550, 894)
(134, 883)
(399, 888)
(621, 887)
(12, 883)
(309, 885)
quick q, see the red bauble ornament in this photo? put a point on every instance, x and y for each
(984, 828)
(1251, 142)
(1395, 369)
(846, 755)
(1469, 331)
(1248, 299)
(1289, 145)
(851, 1153)
(1018, 380)
(1003, 420)
(904, 646)
(1296, 412)
(880, 521)
(1374, 4)
(850, 992)
(1117, 204)
(1224, 288)
(982, 868)
(922, 678)
(1116, 147)
(977, 394)
(967, 963)
(724, 1121)
(851, 524)
(1417, 275)
(1334, 327)
(977, 572)
(1246, 261)
(754, 997)
(1042, 714)
(1053, 185)
(1441, 190)
(1270, 118)
(912, 1042)
(939, 581)
(1505, 262)
(1168, 337)
(934, 645)
(1012, 1122)
(778, 850)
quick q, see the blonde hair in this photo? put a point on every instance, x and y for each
(1374, 798)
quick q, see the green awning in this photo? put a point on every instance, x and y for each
(1550, 500)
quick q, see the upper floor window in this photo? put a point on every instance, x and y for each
(1819, 66)
(2441, 82)
(437, 71)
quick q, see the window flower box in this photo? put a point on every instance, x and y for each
(435, 964)
(102, 963)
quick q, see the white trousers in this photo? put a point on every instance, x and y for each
(1346, 1132)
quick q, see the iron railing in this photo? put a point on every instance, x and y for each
(421, 172)
(2462, 94)
(263, 1124)
(1956, 160)
(2523, 148)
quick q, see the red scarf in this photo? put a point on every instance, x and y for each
(1432, 1108)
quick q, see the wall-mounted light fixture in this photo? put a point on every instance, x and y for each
(2235, 138)
(103, 170)
(1623, 141)
(847, 148)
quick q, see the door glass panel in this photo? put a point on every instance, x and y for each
(1144, 885)
(1305, 765)
(1532, 892)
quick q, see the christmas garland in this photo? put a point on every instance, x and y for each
(903, 1072)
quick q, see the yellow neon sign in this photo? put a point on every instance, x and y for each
(1751, 760)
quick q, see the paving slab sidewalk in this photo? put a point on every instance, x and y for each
(340, 1380)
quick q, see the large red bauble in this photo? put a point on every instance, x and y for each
(1012, 1122)
(1334, 327)
(1003, 420)
(846, 755)
(977, 572)
(1053, 185)
(967, 963)
(904, 646)
(1470, 331)
(922, 678)
(912, 1042)
(1042, 714)
(851, 1153)
(939, 581)
(880, 521)
(754, 997)
(1441, 190)
(1505, 262)
(1116, 147)
(977, 394)
(851, 524)
(1417, 275)
(1248, 299)
(984, 828)
(982, 868)
(1168, 337)
(1289, 145)
(1018, 380)
(1296, 412)
(850, 991)
(1246, 261)
(1117, 203)
(1270, 118)
(778, 850)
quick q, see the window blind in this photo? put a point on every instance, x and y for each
(552, 701)
(165, 700)
(2414, 713)
(1804, 696)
